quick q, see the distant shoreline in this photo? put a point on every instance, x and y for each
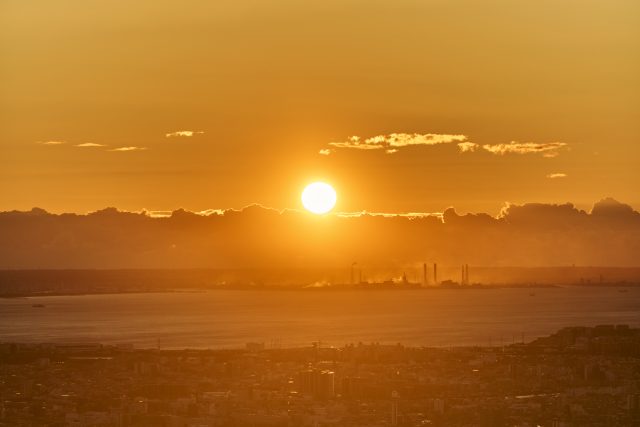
(84, 346)
(330, 288)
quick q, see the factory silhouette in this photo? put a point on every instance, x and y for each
(404, 282)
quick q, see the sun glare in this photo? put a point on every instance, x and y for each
(319, 198)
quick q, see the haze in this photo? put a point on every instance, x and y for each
(198, 104)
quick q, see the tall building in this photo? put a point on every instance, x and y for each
(326, 388)
(394, 408)
(319, 384)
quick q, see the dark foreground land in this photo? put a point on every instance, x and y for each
(577, 377)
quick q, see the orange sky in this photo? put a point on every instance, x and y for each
(271, 85)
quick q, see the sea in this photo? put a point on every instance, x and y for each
(223, 319)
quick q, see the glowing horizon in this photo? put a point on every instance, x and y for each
(235, 103)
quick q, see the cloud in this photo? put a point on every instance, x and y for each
(409, 215)
(90, 144)
(391, 143)
(52, 142)
(185, 133)
(533, 234)
(557, 175)
(467, 147)
(549, 149)
(611, 208)
(403, 139)
(129, 149)
(209, 212)
(158, 214)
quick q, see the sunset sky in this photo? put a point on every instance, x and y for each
(403, 106)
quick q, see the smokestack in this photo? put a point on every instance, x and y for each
(352, 273)
(424, 274)
(462, 278)
(435, 273)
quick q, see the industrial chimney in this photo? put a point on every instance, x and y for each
(435, 273)
(425, 279)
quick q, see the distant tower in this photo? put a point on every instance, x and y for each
(465, 274)
(394, 408)
(462, 277)
(352, 273)
(435, 273)
(425, 279)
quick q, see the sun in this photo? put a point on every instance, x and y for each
(319, 197)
